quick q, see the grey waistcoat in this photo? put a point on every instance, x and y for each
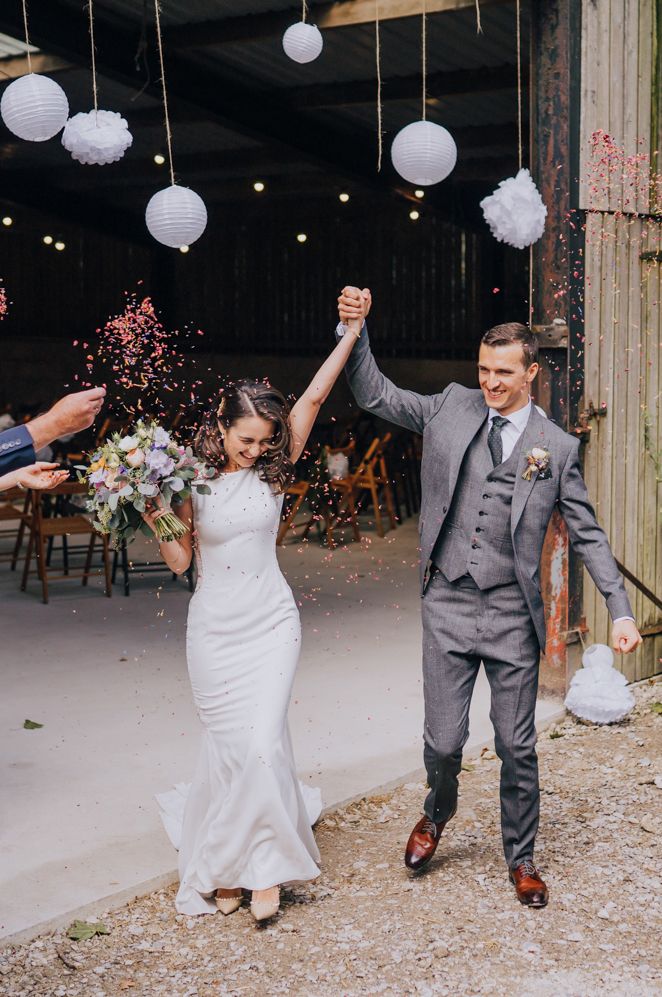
(476, 537)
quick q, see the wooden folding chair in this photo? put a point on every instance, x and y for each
(45, 528)
(14, 506)
(370, 476)
(298, 491)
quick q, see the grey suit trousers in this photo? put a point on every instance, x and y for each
(463, 626)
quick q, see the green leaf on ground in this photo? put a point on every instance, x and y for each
(656, 707)
(555, 733)
(468, 768)
(31, 725)
(80, 931)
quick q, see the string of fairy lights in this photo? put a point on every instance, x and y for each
(57, 243)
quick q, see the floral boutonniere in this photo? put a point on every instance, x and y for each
(537, 459)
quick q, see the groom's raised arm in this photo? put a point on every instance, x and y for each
(374, 392)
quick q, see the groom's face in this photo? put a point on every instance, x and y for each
(504, 378)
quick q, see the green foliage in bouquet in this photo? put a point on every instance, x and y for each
(128, 472)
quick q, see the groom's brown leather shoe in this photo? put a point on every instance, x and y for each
(530, 888)
(423, 842)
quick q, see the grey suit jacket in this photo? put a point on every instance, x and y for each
(16, 449)
(448, 422)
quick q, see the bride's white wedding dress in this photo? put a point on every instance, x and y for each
(245, 822)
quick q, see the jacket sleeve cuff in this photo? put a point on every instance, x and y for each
(16, 449)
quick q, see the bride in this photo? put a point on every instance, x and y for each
(245, 824)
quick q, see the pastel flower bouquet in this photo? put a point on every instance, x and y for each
(128, 472)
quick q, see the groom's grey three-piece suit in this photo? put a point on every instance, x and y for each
(482, 530)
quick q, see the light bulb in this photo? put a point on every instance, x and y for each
(419, 193)
(7, 220)
(258, 186)
(159, 159)
(184, 249)
(59, 246)
(302, 237)
(344, 198)
(48, 240)
(414, 215)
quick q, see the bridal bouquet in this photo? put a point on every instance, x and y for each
(128, 472)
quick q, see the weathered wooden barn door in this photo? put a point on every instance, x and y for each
(620, 131)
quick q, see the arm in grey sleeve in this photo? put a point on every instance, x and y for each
(589, 539)
(374, 392)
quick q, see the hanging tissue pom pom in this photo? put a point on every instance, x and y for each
(176, 216)
(424, 153)
(515, 211)
(302, 42)
(97, 138)
(598, 692)
(34, 107)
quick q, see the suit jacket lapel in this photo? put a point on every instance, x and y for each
(534, 435)
(470, 418)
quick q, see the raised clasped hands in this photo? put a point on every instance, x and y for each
(353, 306)
(625, 637)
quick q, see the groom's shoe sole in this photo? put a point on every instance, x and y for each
(422, 846)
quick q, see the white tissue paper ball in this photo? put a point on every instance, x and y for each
(34, 107)
(176, 216)
(515, 211)
(97, 137)
(303, 42)
(424, 153)
(598, 692)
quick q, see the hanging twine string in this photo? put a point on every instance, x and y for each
(479, 26)
(378, 57)
(304, 12)
(165, 95)
(94, 64)
(424, 47)
(27, 39)
(519, 83)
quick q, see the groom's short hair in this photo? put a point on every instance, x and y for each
(514, 332)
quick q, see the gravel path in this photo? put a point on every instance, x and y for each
(365, 927)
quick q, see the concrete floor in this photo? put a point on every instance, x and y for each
(80, 830)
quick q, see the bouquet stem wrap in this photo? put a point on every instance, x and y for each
(169, 527)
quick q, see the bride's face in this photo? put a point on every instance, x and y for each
(246, 440)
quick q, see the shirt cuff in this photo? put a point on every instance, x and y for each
(619, 618)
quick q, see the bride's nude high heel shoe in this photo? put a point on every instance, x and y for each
(264, 908)
(228, 905)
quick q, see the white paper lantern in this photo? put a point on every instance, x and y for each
(597, 691)
(424, 153)
(97, 137)
(515, 211)
(34, 107)
(303, 42)
(176, 216)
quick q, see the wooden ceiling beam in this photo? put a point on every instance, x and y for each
(17, 65)
(327, 16)
(439, 85)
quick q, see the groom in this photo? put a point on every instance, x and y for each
(493, 471)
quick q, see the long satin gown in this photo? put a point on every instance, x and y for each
(245, 821)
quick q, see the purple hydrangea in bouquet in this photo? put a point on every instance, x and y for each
(145, 468)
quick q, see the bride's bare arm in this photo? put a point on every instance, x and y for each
(177, 554)
(306, 410)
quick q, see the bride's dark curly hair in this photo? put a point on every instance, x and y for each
(250, 398)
